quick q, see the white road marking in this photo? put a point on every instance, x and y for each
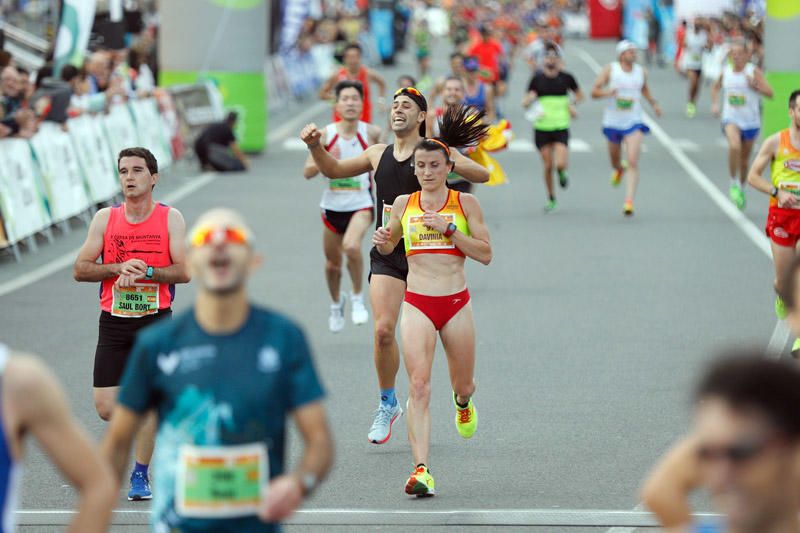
(293, 127)
(780, 334)
(294, 144)
(526, 146)
(375, 517)
(687, 145)
(638, 508)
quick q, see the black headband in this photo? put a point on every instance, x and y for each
(415, 96)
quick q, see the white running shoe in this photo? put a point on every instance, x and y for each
(359, 314)
(381, 429)
(336, 318)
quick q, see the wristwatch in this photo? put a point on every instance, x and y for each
(774, 192)
(308, 482)
(148, 274)
(451, 228)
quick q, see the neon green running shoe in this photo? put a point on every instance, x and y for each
(691, 110)
(420, 483)
(563, 179)
(466, 419)
(550, 206)
(737, 196)
(796, 349)
(780, 309)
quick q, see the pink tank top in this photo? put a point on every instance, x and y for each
(148, 241)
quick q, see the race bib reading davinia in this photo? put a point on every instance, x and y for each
(423, 238)
(135, 302)
(221, 481)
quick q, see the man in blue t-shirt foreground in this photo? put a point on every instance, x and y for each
(223, 378)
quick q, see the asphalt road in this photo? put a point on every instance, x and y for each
(591, 327)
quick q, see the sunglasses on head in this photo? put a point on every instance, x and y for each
(736, 453)
(408, 90)
(209, 235)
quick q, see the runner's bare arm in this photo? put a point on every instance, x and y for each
(374, 134)
(761, 162)
(86, 267)
(667, 488)
(116, 445)
(579, 96)
(468, 169)
(761, 84)
(40, 408)
(326, 91)
(491, 116)
(310, 167)
(477, 245)
(339, 168)
(598, 89)
(649, 96)
(286, 492)
(715, 89)
(430, 120)
(386, 238)
(178, 271)
(529, 98)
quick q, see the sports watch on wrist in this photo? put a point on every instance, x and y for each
(774, 192)
(149, 273)
(451, 228)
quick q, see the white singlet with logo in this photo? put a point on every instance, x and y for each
(624, 111)
(347, 194)
(695, 42)
(740, 102)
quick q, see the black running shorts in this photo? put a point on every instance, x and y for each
(543, 138)
(114, 343)
(394, 264)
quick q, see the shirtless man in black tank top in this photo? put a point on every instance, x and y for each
(394, 175)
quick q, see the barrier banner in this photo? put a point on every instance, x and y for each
(61, 172)
(94, 155)
(120, 129)
(21, 203)
(151, 128)
(169, 115)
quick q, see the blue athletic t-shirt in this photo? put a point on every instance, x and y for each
(212, 390)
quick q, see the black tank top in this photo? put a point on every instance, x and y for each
(392, 178)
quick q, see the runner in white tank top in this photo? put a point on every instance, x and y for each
(742, 85)
(347, 206)
(33, 403)
(624, 84)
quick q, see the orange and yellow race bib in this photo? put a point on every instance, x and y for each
(421, 237)
(135, 302)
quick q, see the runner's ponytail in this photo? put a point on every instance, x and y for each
(459, 127)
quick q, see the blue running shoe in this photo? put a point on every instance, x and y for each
(140, 488)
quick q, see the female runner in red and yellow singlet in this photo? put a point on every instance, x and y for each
(441, 228)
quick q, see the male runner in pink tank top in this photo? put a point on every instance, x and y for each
(141, 247)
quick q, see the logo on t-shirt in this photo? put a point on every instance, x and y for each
(792, 164)
(269, 360)
(168, 363)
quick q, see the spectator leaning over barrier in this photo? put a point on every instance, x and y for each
(216, 147)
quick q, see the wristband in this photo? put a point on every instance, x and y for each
(451, 228)
(774, 192)
(149, 273)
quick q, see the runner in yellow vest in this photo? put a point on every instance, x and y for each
(782, 152)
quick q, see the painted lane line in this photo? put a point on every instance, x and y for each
(638, 508)
(377, 517)
(294, 144)
(524, 145)
(780, 334)
(67, 259)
